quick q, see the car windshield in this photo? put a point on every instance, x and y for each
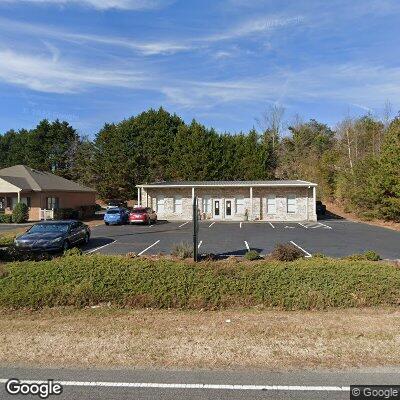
(139, 210)
(44, 228)
(114, 211)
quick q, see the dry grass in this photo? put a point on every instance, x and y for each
(267, 339)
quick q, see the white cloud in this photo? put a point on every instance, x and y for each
(255, 26)
(54, 76)
(101, 4)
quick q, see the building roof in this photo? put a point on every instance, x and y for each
(27, 178)
(283, 183)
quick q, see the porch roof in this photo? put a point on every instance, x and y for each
(272, 183)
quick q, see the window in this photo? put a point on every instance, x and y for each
(239, 205)
(26, 201)
(178, 204)
(291, 204)
(51, 203)
(271, 204)
(160, 204)
(206, 204)
(228, 208)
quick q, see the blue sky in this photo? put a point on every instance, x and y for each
(222, 62)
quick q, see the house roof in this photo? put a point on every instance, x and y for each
(27, 178)
(288, 183)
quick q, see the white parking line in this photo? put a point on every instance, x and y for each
(180, 226)
(212, 223)
(198, 246)
(326, 226)
(240, 225)
(304, 226)
(247, 246)
(208, 386)
(150, 226)
(147, 248)
(304, 251)
(271, 225)
(98, 248)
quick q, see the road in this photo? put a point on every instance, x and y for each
(119, 384)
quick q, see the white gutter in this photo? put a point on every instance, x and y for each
(305, 184)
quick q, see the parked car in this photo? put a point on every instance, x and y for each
(116, 216)
(116, 204)
(144, 215)
(321, 208)
(53, 236)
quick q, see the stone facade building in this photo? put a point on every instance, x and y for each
(292, 200)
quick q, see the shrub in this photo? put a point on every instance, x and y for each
(252, 255)
(319, 255)
(368, 255)
(66, 213)
(182, 250)
(5, 218)
(75, 251)
(20, 213)
(93, 279)
(286, 252)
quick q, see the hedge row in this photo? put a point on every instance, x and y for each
(304, 284)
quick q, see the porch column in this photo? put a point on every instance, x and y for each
(314, 207)
(307, 204)
(192, 194)
(251, 204)
(19, 197)
(139, 196)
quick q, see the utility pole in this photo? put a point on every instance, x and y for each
(195, 229)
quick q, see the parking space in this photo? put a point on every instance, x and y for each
(336, 238)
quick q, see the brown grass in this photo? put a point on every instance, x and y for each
(267, 339)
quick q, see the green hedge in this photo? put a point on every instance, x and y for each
(92, 279)
(5, 218)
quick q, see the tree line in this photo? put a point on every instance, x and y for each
(357, 164)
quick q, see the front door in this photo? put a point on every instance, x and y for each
(228, 209)
(217, 209)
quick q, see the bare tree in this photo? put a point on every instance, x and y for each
(271, 121)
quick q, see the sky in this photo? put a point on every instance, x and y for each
(222, 62)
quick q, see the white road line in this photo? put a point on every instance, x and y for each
(147, 248)
(180, 226)
(198, 246)
(304, 226)
(247, 246)
(208, 386)
(304, 251)
(240, 225)
(98, 248)
(212, 223)
(271, 225)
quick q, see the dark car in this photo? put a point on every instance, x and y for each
(116, 216)
(53, 236)
(144, 215)
(321, 208)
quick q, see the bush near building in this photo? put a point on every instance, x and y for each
(136, 282)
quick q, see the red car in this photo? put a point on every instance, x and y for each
(142, 215)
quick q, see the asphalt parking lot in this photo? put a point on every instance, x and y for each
(335, 238)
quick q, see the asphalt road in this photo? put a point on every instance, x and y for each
(10, 227)
(119, 384)
(335, 238)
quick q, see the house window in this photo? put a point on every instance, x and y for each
(26, 201)
(52, 203)
(291, 204)
(160, 204)
(271, 204)
(178, 204)
(239, 205)
(207, 204)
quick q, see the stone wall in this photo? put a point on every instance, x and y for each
(303, 210)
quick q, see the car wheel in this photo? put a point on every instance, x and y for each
(106, 223)
(148, 221)
(65, 246)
